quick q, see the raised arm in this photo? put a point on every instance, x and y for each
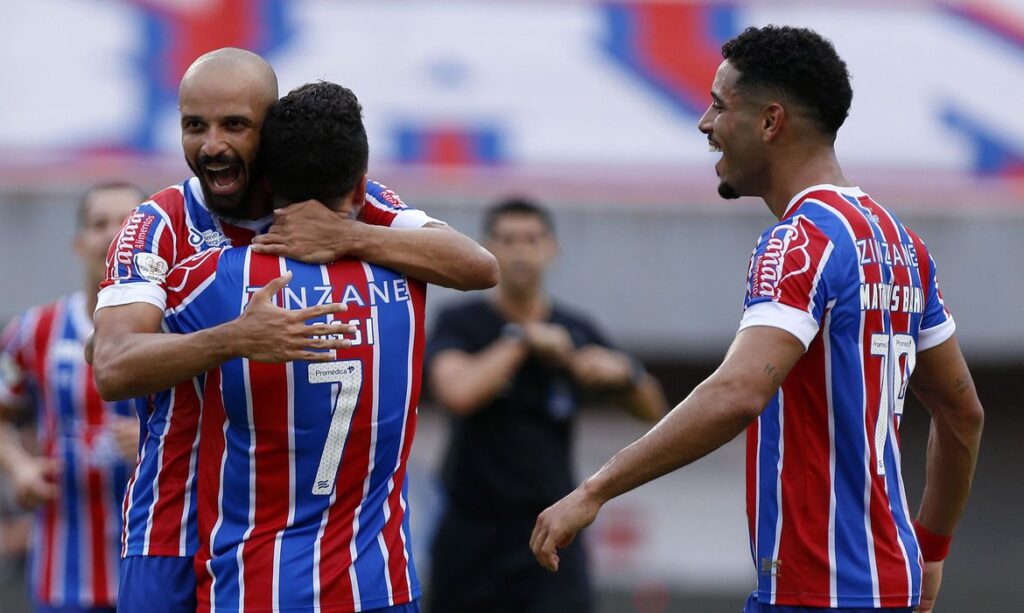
(713, 414)
(131, 357)
(943, 384)
(433, 253)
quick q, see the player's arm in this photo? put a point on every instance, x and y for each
(131, 357)
(943, 384)
(465, 382)
(433, 253)
(713, 414)
(628, 383)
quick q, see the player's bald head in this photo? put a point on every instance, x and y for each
(231, 67)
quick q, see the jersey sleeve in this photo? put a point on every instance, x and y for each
(13, 343)
(787, 286)
(937, 323)
(384, 207)
(139, 259)
(187, 286)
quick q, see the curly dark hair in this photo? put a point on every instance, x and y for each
(313, 143)
(797, 63)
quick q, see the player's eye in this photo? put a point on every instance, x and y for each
(191, 125)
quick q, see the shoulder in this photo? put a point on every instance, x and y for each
(194, 270)
(382, 196)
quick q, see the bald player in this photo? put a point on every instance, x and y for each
(223, 99)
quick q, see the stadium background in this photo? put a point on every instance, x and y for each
(592, 108)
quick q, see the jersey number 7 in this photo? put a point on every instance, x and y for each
(348, 375)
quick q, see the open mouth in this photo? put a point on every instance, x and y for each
(223, 179)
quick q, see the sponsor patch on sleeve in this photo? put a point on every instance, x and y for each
(151, 267)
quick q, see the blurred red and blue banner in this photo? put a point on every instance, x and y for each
(603, 95)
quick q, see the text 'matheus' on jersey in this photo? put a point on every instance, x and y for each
(827, 511)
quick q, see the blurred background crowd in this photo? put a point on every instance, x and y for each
(589, 108)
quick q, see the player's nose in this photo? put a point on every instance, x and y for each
(214, 143)
(704, 123)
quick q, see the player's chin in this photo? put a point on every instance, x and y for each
(727, 191)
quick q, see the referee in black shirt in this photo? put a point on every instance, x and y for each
(510, 369)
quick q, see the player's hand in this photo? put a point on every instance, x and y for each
(310, 232)
(549, 342)
(268, 333)
(126, 436)
(930, 586)
(558, 525)
(594, 366)
(35, 481)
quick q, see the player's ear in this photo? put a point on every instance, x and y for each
(359, 193)
(773, 117)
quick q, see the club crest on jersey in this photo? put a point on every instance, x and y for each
(785, 255)
(389, 196)
(151, 267)
(212, 238)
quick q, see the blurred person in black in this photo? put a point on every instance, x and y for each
(511, 368)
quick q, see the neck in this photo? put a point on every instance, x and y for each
(802, 169)
(531, 305)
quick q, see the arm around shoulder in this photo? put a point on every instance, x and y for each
(435, 253)
(131, 357)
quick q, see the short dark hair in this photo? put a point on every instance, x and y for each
(797, 63)
(83, 203)
(313, 143)
(516, 206)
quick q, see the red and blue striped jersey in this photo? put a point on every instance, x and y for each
(75, 540)
(302, 498)
(827, 512)
(174, 224)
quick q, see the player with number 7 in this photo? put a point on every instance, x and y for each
(302, 480)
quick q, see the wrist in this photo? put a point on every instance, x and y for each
(361, 239)
(637, 373)
(593, 489)
(224, 342)
(934, 547)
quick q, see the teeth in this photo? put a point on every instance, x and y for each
(217, 168)
(714, 148)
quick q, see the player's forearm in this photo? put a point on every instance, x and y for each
(136, 364)
(942, 382)
(953, 443)
(439, 255)
(712, 415)
(466, 383)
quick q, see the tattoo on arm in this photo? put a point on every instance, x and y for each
(962, 384)
(773, 372)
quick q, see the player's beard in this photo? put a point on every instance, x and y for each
(233, 206)
(727, 191)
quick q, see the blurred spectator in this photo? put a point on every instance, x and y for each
(511, 368)
(75, 475)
